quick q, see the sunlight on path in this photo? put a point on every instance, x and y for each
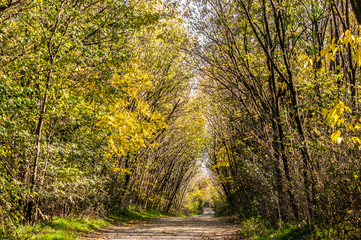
(205, 226)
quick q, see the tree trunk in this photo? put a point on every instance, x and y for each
(356, 6)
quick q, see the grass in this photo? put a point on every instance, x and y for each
(71, 228)
(60, 228)
(257, 229)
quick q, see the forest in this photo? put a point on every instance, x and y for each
(252, 106)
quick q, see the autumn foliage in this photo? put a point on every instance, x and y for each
(95, 109)
(281, 78)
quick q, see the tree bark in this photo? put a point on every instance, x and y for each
(356, 7)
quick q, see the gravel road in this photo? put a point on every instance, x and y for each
(205, 226)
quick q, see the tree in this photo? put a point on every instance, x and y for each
(356, 5)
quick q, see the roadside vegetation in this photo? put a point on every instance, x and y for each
(59, 228)
(259, 228)
(72, 228)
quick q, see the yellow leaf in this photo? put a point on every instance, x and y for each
(349, 126)
(340, 122)
(356, 139)
(324, 112)
(324, 52)
(329, 57)
(335, 136)
(348, 109)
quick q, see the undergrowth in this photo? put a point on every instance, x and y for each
(257, 228)
(71, 228)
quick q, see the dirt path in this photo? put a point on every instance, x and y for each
(205, 226)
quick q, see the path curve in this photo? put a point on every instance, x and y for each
(205, 226)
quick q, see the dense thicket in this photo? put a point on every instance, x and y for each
(282, 77)
(95, 108)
